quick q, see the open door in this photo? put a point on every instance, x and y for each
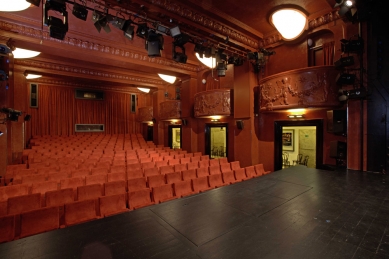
(174, 136)
(216, 140)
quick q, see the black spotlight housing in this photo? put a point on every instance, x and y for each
(34, 2)
(154, 44)
(80, 11)
(344, 62)
(221, 68)
(27, 117)
(142, 30)
(57, 27)
(129, 30)
(179, 57)
(101, 21)
(345, 79)
(352, 46)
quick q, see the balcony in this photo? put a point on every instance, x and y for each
(170, 110)
(145, 114)
(213, 102)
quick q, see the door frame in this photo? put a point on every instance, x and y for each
(208, 127)
(170, 135)
(278, 125)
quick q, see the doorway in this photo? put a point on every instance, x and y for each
(216, 145)
(174, 136)
(308, 143)
(150, 133)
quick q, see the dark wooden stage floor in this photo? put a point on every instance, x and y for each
(293, 213)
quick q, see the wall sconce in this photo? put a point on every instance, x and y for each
(296, 116)
(145, 90)
(215, 118)
(173, 122)
(31, 75)
(167, 78)
(1, 133)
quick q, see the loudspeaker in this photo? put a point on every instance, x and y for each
(337, 121)
(240, 124)
(34, 95)
(184, 122)
(338, 149)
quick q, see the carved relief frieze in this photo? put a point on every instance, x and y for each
(93, 46)
(170, 110)
(31, 64)
(213, 102)
(300, 88)
(145, 113)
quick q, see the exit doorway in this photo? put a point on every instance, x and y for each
(296, 141)
(216, 140)
(174, 136)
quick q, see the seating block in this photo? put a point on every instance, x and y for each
(39, 221)
(113, 204)
(139, 199)
(162, 193)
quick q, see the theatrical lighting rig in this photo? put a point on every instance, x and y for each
(12, 114)
(57, 27)
(259, 59)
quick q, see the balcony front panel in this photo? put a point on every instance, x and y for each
(170, 110)
(145, 114)
(213, 102)
(300, 88)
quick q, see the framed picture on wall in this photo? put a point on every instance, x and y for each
(288, 140)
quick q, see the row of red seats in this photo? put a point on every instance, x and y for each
(62, 209)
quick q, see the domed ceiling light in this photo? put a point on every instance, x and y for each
(145, 90)
(209, 62)
(167, 78)
(32, 76)
(14, 5)
(289, 22)
(24, 53)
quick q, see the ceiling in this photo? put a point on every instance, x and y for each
(236, 26)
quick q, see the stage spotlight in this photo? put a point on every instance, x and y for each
(34, 2)
(27, 117)
(142, 30)
(117, 21)
(161, 29)
(179, 57)
(175, 31)
(252, 55)
(129, 30)
(57, 27)
(345, 79)
(101, 21)
(154, 44)
(199, 49)
(236, 61)
(352, 46)
(344, 62)
(181, 39)
(80, 11)
(221, 68)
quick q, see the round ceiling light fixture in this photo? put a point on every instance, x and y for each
(167, 78)
(289, 22)
(14, 5)
(24, 53)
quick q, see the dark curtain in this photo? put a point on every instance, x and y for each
(328, 51)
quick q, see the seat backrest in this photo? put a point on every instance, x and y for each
(156, 180)
(173, 177)
(189, 174)
(136, 184)
(115, 187)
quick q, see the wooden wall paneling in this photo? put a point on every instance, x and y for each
(242, 92)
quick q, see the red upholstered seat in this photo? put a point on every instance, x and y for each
(118, 169)
(100, 170)
(148, 165)
(195, 159)
(228, 177)
(36, 178)
(134, 166)
(7, 227)
(135, 173)
(140, 198)
(223, 160)
(188, 155)
(112, 177)
(225, 167)
(240, 174)
(57, 176)
(235, 165)
(96, 179)
(166, 169)
(180, 167)
(89, 192)
(173, 177)
(250, 172)
(160, 163)
(183, 188)
(113, 204)
(213, 162)
(200, 184)
(215, 169)
(38, 221)
(204, 157)
(203, 163)
(79, 212)
(215, 180)
(185, 160)
(72, 182)
(174, 161)
(163, 193)
(197, 154)
(136, 184)
(150, 171)
(59, 197)
(156, 180)
(80, 173)
(202, 172)
(192, 165)
(13, 190)
(24, 203)
(44, 187)
(260, 170)
(189, 174)
(116, 187)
